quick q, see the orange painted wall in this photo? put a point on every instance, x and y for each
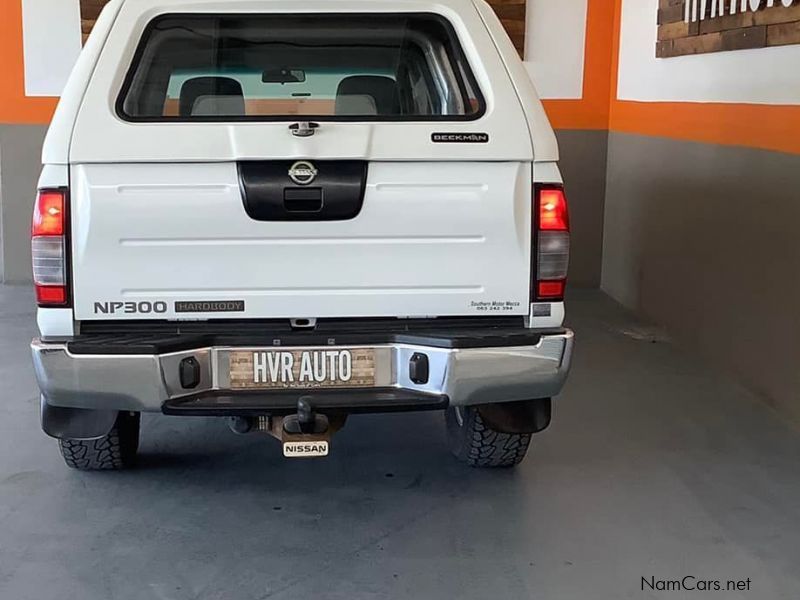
(15, 107)
(592, 111)
(760, 126)
(770, 127)
(767, 127)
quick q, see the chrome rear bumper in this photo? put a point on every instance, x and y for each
(149, 382)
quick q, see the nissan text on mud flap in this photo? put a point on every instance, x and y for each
(283, 213)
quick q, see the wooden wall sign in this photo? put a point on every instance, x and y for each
(90, 10)
(700, 26)
(511, 13)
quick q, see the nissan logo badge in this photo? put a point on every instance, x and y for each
(303, 172)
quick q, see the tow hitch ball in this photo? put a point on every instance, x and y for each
(304, 433)
(306, 421)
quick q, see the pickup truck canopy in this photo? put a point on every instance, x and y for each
(92, 123)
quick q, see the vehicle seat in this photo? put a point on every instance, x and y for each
(367, 95)
(210, 96)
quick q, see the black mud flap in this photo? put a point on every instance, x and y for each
(528, 416)
(75, 423)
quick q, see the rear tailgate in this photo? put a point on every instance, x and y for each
(443, 239)
(160, 228)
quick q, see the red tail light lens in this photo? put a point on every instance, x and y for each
(51, 294)
(551, 289)
(49, 248)
(552, 242)
(48, 214)
(553, 215)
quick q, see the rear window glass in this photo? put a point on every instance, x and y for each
(327, 67)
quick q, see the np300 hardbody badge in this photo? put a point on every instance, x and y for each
(280, 214)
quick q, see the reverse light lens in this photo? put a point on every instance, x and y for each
(48, 213)
(553, 214)
(553, 255)
(48, 260)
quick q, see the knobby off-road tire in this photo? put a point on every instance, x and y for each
(116, 450)
(473, 442)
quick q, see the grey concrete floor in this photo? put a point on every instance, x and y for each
(655, 466)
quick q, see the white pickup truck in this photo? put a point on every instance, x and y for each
(282, 213)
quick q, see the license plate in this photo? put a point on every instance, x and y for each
(305, 449)
(291, 369)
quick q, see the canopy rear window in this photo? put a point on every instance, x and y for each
(279, 67)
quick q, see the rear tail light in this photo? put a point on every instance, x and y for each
(49, 248)
(553, 215)
(551, 238)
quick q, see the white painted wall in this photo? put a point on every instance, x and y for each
(555, 47)
(762, 76)
(51, 42)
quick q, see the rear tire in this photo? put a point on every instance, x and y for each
(473, 442)
(115, 450)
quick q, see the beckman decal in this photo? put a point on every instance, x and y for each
(459, 138)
